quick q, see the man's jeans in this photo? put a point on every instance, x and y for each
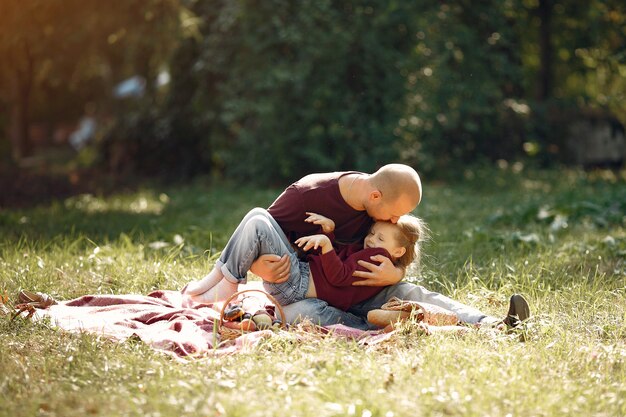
(321, 313)
(259, 234)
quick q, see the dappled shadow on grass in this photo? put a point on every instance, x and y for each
(29, 188)
(200, 213)
(63, 219)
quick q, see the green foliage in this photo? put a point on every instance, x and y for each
(464, 87)
(286, 89)
(61, 57)
(475, 90)
(354, 84)
(588, 42)
(268, 91)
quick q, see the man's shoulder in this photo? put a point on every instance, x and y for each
(319, 179)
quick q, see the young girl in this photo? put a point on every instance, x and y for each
(327, 272)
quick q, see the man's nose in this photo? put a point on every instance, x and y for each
(394, 219)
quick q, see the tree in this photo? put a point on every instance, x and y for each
(70, 52)
(503, 79)
(466, 78)
(294, 87)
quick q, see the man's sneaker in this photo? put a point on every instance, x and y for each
(518, 311)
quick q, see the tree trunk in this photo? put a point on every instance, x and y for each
(545, 45)
(20, 117)
(20, 140)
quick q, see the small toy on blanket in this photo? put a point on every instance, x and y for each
(430, 316)
(248, 311)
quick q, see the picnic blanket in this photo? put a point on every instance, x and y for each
(168, 321)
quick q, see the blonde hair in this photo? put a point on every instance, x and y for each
(412, 231)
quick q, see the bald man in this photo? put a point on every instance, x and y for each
(353, 200)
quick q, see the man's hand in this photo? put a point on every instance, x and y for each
(272, 268)
(378, 275)
(327, 225)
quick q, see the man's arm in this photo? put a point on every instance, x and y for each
(378, 275)
(340, 273)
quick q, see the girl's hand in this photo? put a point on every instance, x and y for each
(314, 242)
(327, 225)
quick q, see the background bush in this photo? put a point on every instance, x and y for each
(268, 91)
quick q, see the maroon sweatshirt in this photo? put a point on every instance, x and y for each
(332, 272)
(319, 193)
(332, 275)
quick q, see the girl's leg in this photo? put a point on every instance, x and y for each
(209, 281)
(215, 277)
(212, 288)
(257, 234)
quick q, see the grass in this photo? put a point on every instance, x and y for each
(559, 237)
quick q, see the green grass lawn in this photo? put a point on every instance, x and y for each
(557, 237)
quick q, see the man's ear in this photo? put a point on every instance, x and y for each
(398, 252)
(375, 196)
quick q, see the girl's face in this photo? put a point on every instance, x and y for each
(383, 235)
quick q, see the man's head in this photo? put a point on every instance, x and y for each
(396, 190)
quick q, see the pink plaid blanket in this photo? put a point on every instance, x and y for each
(165, 320)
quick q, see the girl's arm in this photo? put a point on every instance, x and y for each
(339, 273)
(327, 225)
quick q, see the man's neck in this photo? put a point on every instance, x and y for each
(351, 187)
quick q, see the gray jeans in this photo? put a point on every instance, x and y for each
(259, 234)
(320, 312)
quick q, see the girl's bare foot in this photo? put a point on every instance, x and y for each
(219, 292)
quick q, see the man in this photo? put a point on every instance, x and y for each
(353, 200)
